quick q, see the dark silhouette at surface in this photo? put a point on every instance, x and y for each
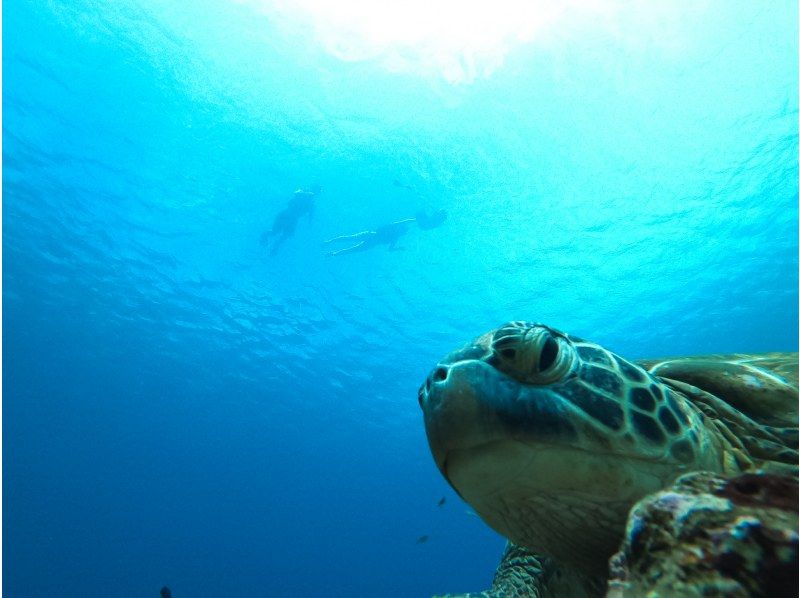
(388, 234)
(301, 204)
(165, 592)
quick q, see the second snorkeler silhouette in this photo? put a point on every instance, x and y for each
(301, 204)
(388, 234)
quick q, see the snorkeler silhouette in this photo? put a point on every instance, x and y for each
(388, 234)
(301, 204)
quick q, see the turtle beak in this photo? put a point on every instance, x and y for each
(455, 416)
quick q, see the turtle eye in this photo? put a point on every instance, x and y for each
(549, 354)
(531, 353)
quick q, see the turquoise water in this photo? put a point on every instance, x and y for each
(183, 406)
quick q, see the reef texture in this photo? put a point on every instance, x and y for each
(712, 536)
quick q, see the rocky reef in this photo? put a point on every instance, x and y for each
(709, 535)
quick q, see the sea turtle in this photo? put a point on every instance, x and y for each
(552, 439)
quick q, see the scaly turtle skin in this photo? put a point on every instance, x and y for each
(552, 439)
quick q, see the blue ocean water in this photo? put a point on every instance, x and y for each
(181, 407)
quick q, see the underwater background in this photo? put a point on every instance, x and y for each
(183, 406)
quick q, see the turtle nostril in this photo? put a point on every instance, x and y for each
(440, 375)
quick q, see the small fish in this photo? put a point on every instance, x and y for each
(441, 502)
(471, 512)
(422, 539)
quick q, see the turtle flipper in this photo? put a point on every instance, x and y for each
(763, 386)
(748, 442)
(524, 574)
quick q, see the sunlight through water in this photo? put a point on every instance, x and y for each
(463, 41)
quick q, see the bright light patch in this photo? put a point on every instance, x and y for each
(464, 40)
(461, 41)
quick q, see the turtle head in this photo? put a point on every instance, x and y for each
(551, 439)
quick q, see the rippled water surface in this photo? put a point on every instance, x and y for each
(181, 407)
